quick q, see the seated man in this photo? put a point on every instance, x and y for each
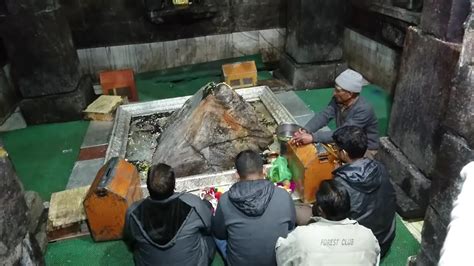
(253, 214)
(169, 228)
(330, 238)
(346, 108)
(367, 182)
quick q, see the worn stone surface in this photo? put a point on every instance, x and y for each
(105, 23)
(16, 245)
(303, 76)
(8, 96)
(315, 30)
(433, 235)
(454, 153)
(13, 224)
(208, 132)
(58, 107)
(35, 209)
(460, 113)
(427, 68)
(405, 175)
(37, 218)
(382, 23)
(406, 207)
(445, 18)
(39, 46)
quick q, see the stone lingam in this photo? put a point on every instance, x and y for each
(208, 132)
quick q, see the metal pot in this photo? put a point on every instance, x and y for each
(285, 131)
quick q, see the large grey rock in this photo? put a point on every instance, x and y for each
(315, 30)
(17, 247)
(40, 48)
(208, 132)
(37, 218)
(445, 18)
(407, 177)
(35, 209)
(58, 107)
(304, 76)
(420, 101)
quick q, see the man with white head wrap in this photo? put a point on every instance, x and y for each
(347, 108)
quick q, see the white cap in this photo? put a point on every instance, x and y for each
(350, 80)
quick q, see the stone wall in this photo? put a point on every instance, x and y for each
(374, 38)
(161, 55)
(378, 62)
(456, 149)
(431, 131)
(98, 23)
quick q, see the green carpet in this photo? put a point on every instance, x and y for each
(44, 155)
(83, 251)
(404, 246)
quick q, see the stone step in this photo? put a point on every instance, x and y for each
(406, 207)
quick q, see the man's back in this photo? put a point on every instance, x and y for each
(372, 197)
(174, 231)
(326, 242)
(251, 216)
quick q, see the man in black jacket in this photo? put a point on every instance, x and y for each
(367, 182)
(169, 228)
(252, 215)
(347, 108)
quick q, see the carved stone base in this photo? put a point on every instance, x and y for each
(58, 107)
(411, 186)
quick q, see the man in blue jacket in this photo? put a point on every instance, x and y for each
(252, 215)
(371, 194)
(169, 228)
(347, 108)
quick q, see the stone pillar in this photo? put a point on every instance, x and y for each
(421, 101)
(313, 52)
(44, 61)
(456, 150)
(19, 243)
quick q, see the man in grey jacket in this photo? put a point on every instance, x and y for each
(367, 182)
(169, 228)
(347, 108)
(252, 215)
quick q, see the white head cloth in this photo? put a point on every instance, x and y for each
(350, 80)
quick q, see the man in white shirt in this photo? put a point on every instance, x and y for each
(330, 238)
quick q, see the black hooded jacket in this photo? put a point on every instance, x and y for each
(251, 216)
(372, 196)
(173, 231)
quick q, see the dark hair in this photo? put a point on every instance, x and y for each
(333, 200)
(352, 139)
(248, 162)
(160, 181)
